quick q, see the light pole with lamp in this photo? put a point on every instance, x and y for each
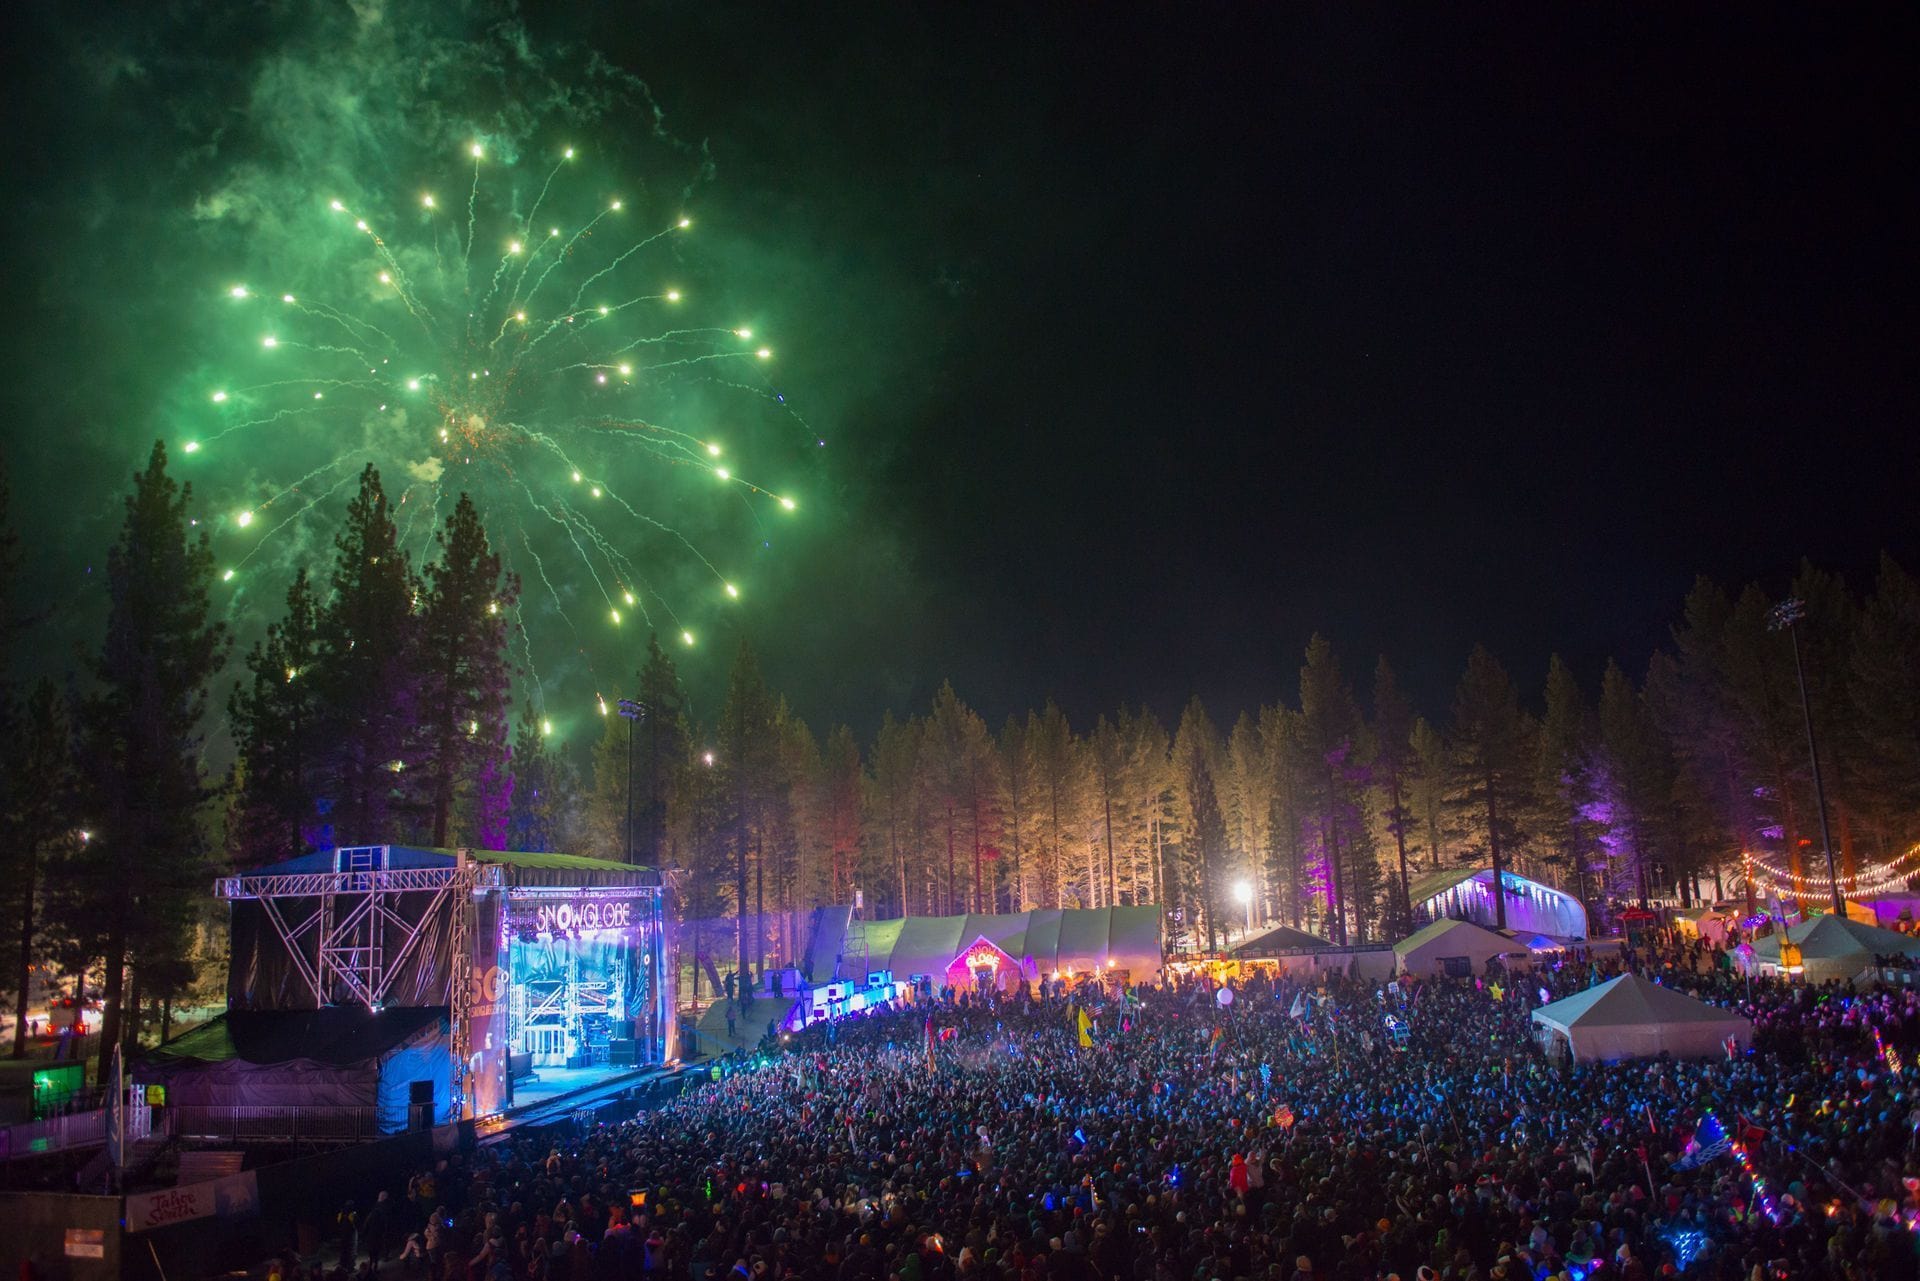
(1784, 617)
(1243, 890)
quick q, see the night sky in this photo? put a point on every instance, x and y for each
(1148, 342)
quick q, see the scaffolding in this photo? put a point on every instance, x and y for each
(335, 927)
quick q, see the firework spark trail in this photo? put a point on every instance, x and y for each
(299, 512)
(303, 411)
(526, 653)
(534, 213)
(540, 568)
(634, 512)
(474, 379)
(473, 204)
(565, 251)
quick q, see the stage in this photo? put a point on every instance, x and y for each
(539, 963)
(562, 1093)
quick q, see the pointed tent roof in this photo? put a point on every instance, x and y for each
(1829, 937)
(1630, 1001)
(1280, 938)
(1447, 926)
(982, 941)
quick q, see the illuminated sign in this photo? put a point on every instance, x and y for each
(571, 915)
(983, 955)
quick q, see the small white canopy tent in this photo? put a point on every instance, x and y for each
(1631, 1018)
(1457, 948)
(1833, 947)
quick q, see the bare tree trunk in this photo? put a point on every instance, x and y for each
(1113, 886)
(947, 898)
(1400, 840)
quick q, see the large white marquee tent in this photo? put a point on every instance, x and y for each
(1833, 947)
(1630, 1018)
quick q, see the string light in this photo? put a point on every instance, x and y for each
(1870, 879)
(1760, 1193)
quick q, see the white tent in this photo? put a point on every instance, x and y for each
(1833, 947)
(1631, 1018)
(1709, 923)
(1457, 948)
(1044, 943)
(1466, 894)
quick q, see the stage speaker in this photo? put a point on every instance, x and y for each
(621, 1051)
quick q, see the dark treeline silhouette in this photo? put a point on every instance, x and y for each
(378, 709)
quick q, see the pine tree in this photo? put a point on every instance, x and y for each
(274, 717)
(1328, 721)
(465, 686)
(1286, 760)
(890, 804)
(841, 785)
(1149, 793)
(1433, 774)
(959, 751)
(1637, 784)
(544, 791)
(1563, 787)
(12, 621)
(662, 740)
(1250, 783)
(1492, 750)
(40, 834)
(1883, 689)
(1020, 805)
(1692, 702)
(366, 674)
(146, 863)
(1109, 754)
(795, 851)
(749, 762)
(606, 810)
(1060, 786)
(1393, 767)
(1203, 830)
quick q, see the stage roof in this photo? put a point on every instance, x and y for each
(523, 867)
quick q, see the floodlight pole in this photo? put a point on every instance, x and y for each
(1784, 617)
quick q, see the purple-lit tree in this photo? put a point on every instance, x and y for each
(1329, 719)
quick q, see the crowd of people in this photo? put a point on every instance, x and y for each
(1347, 1131)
